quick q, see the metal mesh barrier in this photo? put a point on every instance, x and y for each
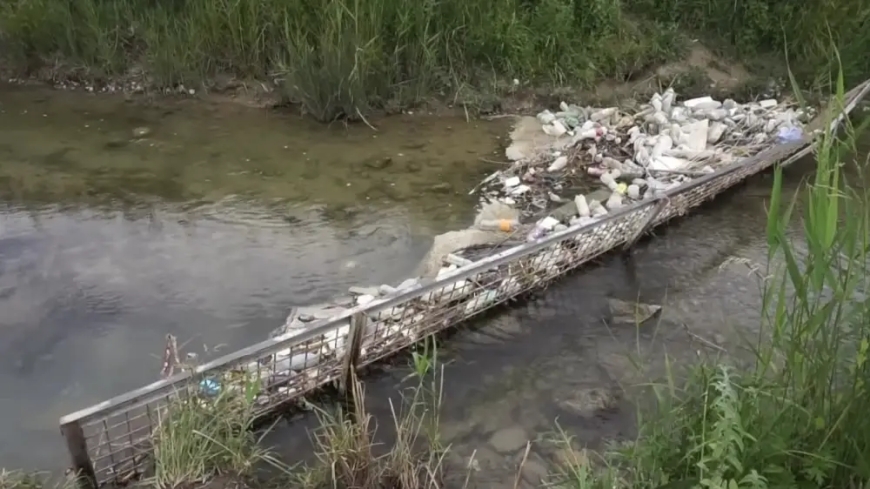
(110, 442)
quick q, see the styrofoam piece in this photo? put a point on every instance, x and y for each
(695, 102)
(695, 135)
(548, 223)
(715, 132)
(668, 163)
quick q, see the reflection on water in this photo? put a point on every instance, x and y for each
(120, 223)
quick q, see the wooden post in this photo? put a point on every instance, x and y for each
(77, 446)
(659, 207)
(351, 357)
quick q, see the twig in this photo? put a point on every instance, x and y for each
(703, 340)
(499, 116)
(468, 468)
(373, 128)
(484, 182)
(522, 464)
(496, 162)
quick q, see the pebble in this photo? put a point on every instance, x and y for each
(507, 440)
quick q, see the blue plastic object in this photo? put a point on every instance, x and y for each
(210, 387)
(789, 134)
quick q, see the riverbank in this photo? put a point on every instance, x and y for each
(340, 58)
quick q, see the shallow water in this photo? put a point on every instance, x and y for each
(210, 227)
(561, 361)
(220, 219)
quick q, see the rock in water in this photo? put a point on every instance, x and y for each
(632, 312)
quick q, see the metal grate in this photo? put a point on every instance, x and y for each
(109, 442)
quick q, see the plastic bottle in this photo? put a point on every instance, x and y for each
(559, 164)
(582, 205)
(505, 225)
(591, 133)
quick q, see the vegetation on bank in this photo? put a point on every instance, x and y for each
(343, 57)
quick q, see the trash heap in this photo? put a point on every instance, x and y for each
(628, 156)
(601, 159)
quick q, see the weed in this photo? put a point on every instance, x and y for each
(29, 480)
(199, 437)
(344, 442)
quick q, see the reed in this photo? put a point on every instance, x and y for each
(796, 416)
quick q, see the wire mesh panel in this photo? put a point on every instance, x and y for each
(111, 442)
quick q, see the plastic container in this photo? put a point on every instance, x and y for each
(559, 164)
(541, 228)
(582, 206)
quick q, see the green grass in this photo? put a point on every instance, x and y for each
(797, 416)
(767, 29)
(339, 57)
(342, 58)
(20, 480)
(199, 438)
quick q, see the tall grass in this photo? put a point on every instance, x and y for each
(200, 437)
(774, 27)
(798, 416)
(338, 57)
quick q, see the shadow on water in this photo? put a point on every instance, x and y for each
(562, 357)
(122, 222)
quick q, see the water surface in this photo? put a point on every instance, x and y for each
(122, 221)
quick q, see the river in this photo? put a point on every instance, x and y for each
(122, 221)
(210, 227)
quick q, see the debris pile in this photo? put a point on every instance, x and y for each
(627, 156)
(631, 156)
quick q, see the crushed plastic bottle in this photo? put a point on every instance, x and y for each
(541, 228)
(789, 134)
